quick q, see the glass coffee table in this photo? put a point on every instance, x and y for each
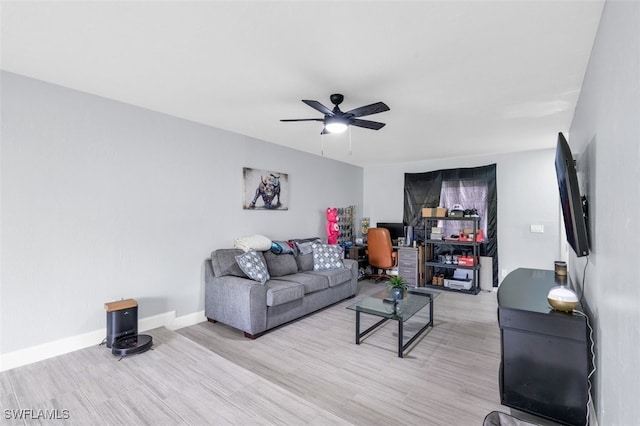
(415, 300)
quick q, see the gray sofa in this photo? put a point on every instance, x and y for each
(295, 289)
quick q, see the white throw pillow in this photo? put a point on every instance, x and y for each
(255, 242)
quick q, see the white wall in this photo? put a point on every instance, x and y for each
(103, 200)
(527, 194)
(605, 132)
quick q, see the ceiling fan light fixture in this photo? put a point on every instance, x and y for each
(335, 125)
(336, 121)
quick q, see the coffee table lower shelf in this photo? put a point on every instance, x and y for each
(401, 347)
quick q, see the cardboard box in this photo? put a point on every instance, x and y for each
(434, 212)
(466, 261)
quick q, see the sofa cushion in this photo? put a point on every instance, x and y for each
(252, 263)
(304, 257)
(326, 256)
(305, 262)
(223, 262)
(305, 245)
(335, 276)
(310, 282)
(279, 292)
(280, 264)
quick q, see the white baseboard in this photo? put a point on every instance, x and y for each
(48, 350)
(186, 320)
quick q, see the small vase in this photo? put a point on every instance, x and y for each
(397, 293)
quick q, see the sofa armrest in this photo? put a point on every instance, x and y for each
(354, 266)
(351, 264)
(238, 302)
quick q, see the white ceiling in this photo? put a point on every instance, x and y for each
(461, 78)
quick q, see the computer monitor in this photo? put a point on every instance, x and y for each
(396, 229)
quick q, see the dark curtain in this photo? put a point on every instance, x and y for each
(423, 190)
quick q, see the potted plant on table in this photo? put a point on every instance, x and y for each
(397, 286)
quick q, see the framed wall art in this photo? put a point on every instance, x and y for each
(265, 190)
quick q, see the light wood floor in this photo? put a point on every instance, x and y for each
(449, 377)
(307, 372)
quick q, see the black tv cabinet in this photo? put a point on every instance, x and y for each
(545, 356)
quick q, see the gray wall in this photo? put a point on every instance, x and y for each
(102, 201)
(605, 133)
(527, 195)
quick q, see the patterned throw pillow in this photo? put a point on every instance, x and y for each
(252, 264)
(326, 256)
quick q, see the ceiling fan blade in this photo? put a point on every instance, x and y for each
(303, 119)
(367, 124)
(318, 107)
(368, 109)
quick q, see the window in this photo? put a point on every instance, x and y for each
(471, 194)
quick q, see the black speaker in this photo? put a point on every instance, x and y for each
(122, 320)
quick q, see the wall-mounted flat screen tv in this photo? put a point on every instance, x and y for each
(573, 205)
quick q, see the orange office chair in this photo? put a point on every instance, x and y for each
(380, 251)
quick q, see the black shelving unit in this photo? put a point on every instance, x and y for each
(473, 247)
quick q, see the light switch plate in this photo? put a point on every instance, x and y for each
(537, 229)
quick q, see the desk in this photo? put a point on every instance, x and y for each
(359, 253)
(410, 262)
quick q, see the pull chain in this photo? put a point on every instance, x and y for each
(350, 150)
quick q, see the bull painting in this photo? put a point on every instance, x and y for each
(265, 190)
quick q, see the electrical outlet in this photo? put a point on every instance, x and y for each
(537, 229)
(504, 273)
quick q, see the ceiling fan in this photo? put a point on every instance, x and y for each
(337, 121)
